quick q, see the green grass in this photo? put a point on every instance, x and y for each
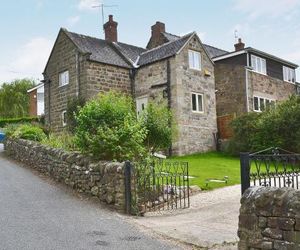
(211, 165)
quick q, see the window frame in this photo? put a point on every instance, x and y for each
(265, 99)
(259, 62)
(64, 118)
(197, 102)
(60, 83)
(194, 52)
(286, 73)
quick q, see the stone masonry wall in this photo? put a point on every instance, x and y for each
(269, 219)
(231, 89)
(196, 130)
(104, 180)
(268, 87)
(103, 78)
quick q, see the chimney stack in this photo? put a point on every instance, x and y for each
(240, 45)
(156, 38)
(110, 30)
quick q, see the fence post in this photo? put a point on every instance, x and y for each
(128, 187)
(245, 171)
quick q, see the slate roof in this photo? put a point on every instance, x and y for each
(119, 54)
(164, 51)
(213, 51)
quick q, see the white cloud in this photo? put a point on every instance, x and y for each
(273, 8)
(84, 5)
(28, 61)
(71, 21)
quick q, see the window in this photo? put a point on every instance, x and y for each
(197, 103)
(261, 103)
(194, 60)
(289, 74)
(141, 104)
(259, 64)
(64, 78)
(64, 118)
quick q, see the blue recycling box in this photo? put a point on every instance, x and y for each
(2, 136)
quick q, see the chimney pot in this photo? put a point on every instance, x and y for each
(240, 45)
(110, 30)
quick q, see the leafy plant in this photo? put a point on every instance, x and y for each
(73, 107)
(63, 141)
(108, 129)
(5, 121)
(28, 132)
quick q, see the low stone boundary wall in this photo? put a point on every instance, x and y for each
(102, 179)
(269, 219)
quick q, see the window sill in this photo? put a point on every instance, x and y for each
(259, 73)
(197, 112)
(60, 86)
(194, 69)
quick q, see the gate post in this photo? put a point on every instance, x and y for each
(128, 187)
(245, 171)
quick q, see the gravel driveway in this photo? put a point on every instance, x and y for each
(211, 222)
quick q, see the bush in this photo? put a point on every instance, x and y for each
(107, 128)
(27, 132)
(157, 119)
(6, 121)
(278, 127)
(73, 107)
(62, 141)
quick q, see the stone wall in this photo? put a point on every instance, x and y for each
(104, 180)
(231, 89)
(270, 219)
(268, 87)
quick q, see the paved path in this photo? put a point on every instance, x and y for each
(37, 215)
(211, 220)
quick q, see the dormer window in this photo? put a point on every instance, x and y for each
(289, 74)
(259, 64)
(194, 60)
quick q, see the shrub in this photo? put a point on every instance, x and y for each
(6, 121)
(73, 107)
(28, 132)
(278, 127)
(63, 141)
(108, 129)
(157, 119)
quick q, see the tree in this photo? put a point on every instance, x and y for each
(14, 99)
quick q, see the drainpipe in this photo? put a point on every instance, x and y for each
(247, 83)
(132, 74)
(169, 96)
(77, 74)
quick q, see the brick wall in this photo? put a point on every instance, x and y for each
(224, 130)
(269, 219)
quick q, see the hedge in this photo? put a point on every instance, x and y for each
(6, 121)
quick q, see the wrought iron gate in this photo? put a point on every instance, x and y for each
(271, 167)
(156, 185)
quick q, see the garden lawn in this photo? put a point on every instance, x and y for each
(210, 166)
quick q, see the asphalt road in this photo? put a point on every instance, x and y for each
(36, 214)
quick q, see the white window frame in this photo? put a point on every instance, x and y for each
(289, 74)
(141, 103)
(259, 64)
(264, 100)
(64, 118)
(63, 78)
(193, 58)
(197, 102)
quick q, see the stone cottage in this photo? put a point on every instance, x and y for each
(176, 69)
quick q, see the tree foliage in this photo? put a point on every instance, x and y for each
(278, 127)
(14, 99)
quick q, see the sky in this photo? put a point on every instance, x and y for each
(29, 28)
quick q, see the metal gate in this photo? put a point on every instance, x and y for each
(156, 185)
(274, 167)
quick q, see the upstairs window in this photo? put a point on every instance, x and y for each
(259, 64)
(260, 103)
(64, 78)
(194, 60)
(197, 103)
(289, 74)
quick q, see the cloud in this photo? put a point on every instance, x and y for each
(28, 61)
(71, 21)
(84, 5)
(258, 8)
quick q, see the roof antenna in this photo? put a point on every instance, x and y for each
(235, 35)
(102, 6)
